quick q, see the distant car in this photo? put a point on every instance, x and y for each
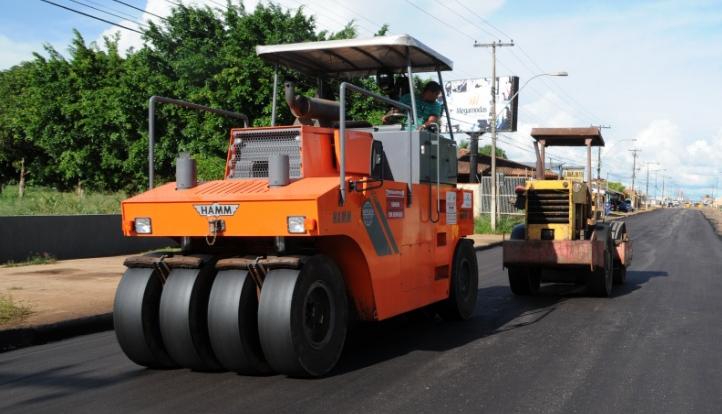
(628, 204)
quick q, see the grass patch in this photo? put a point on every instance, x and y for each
(11, 311)
(47, 201)
(36, 259)
(482, 224)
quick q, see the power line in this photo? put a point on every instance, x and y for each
(593, 118)
(139, 9)
(466, 19)
(126, 14)
(439, 20)
(91, 16)
(338, 18)
(569, 106)
(488, 23)
(107, 12)
(374, 23)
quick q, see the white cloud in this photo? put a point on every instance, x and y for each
(13, 52)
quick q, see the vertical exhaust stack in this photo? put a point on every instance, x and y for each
(185, 172)
(278, 170)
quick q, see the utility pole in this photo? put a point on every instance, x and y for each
(646, 191)
(663, 197)
(634, 167)
(473, 155)
(597, 197)
(493, 46)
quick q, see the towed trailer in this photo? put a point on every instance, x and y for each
(316, 224)
(562, 229)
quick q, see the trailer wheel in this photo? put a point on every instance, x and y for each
(464, 284)
(135, 318)
(599, 281)
(303, 317)
(184, 318)
(233, 323)
(524, 281)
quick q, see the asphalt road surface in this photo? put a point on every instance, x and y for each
(654, 347)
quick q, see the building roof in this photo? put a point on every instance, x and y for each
(568, 137)
(356, 57)
(503, 166)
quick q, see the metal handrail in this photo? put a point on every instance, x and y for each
(183, 104)
(342, 132)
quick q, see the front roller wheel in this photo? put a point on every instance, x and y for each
(600, 280)
(303, 317)
(184, 318)
(233, 323)
(464, 284)
(135, 318)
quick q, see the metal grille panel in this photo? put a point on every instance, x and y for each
(253, 148)
(548, 206)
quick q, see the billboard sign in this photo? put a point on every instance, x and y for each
(469, 103)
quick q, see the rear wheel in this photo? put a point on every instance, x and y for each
(524, 280)
(303, 317)
(233, 323)
(135, 318)
(599, 282)
(464, 284)
(184, 316)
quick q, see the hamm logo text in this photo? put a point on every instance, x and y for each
(216, 209)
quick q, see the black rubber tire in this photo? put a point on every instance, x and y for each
(135, 318)
(293, 341)
(184, 318)
(620, 274)
(233, 323)
(600, 280)
(524, 281)
(518, 232)
(464, 284)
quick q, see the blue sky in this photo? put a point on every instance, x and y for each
(650, 69)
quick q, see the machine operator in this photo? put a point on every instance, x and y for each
(428, 108)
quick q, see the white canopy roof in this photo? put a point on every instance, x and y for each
(353, 57)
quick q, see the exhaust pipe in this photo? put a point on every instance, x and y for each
(302, 107)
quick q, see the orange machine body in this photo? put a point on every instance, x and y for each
(393, 248)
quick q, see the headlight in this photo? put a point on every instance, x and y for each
(296, 224)
(142, 225)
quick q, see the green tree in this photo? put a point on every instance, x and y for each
(616, 186)
(486, 150)
(81, 119)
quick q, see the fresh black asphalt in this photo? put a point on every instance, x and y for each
(654, 347)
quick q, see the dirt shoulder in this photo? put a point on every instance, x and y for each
(714, 216)
(67, 289)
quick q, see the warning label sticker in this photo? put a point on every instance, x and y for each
(466, 202)
(395, 204)
(451, 207)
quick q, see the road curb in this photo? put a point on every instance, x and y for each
(11, 339)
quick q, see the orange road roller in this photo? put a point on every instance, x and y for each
(315, 225)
